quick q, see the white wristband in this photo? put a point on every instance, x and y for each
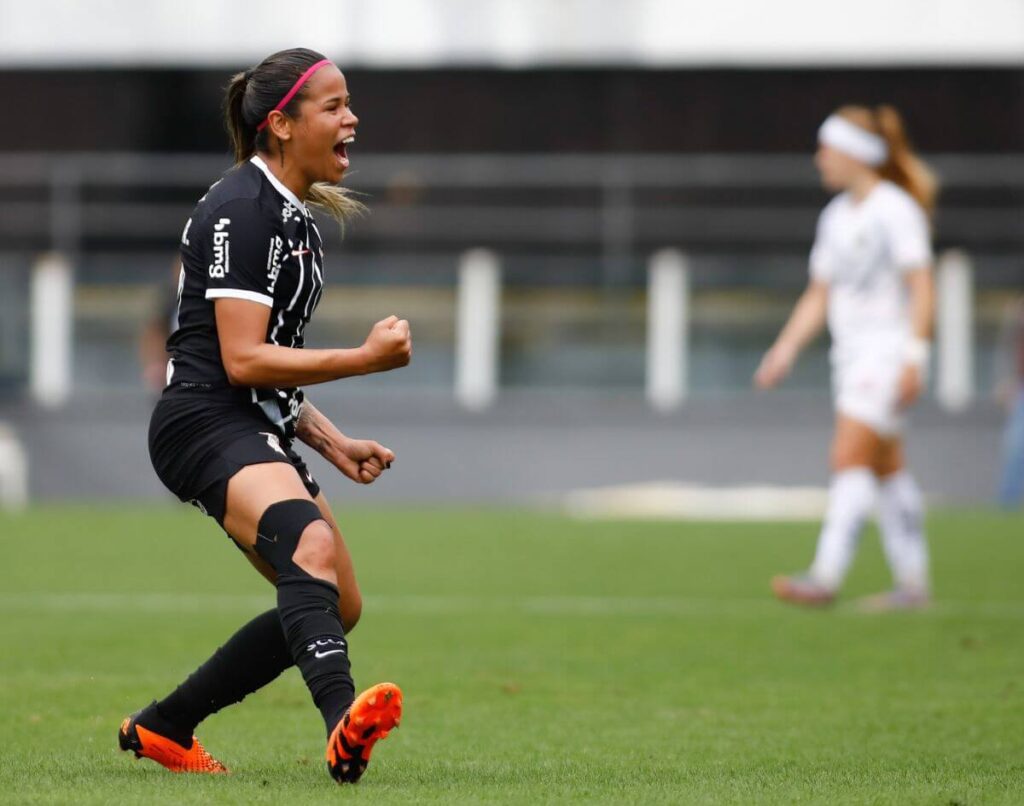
(917, 352)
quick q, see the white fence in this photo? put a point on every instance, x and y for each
(611, 212)
(478, 330)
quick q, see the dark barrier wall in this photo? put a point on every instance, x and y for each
(530, 110)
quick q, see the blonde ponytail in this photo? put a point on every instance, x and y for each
(336, 201)
(902, 167)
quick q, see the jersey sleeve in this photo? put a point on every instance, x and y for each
(243, 248)
(821, 263)
(909, 235)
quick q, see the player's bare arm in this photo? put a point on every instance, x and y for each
(362, 460)
(250, 361)
(921, 287)
(806, 322)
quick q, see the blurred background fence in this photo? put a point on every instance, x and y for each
(574, 234)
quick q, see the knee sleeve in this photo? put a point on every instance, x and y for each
(279, 530)
(308, 609)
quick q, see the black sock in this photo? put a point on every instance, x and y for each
(151, 719)
(251, 658)
(308, 609)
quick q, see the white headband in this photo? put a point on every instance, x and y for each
(853, 141)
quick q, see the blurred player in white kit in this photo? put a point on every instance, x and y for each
(871, 280)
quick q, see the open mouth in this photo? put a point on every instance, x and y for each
(341, 150)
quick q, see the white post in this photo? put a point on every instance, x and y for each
(13, 471)
(51, 313)
(477, 328)
(668, 318)
(955, 331)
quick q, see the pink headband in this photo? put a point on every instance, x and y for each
(291, 93)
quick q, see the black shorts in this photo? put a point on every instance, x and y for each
(197, 444)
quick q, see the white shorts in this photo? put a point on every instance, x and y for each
(866, 389)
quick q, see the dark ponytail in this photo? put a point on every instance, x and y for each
(243, 135)
(250, 97)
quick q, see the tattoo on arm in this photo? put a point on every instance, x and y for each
(307, 428)
(305, 420)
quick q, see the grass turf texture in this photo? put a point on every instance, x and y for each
(543, 660)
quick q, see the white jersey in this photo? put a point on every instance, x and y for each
(862, 250)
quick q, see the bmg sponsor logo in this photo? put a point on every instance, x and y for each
(274, 262)
(221, 249)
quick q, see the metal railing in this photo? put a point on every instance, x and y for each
(586, 221)
(606, 212)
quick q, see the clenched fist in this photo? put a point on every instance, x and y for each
(388, 346)
(362, 460)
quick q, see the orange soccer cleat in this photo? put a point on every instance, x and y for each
(371, 717)
(166, 752)
(802, 590)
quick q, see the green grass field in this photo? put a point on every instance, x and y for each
(542, 659)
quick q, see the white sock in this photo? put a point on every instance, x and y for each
(851, 499)
(901, 518)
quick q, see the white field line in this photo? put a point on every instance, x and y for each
(497, 606)
(676, 501)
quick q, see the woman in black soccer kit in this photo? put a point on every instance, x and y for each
(222, 434)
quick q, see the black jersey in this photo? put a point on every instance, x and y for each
(248, 238)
